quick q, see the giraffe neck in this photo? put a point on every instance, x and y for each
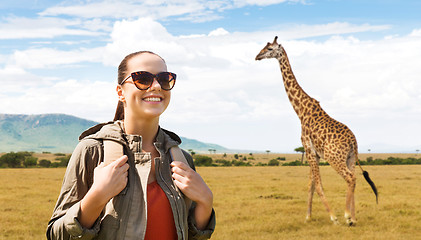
(299, 99)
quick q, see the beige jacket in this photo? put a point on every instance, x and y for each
(113, 221)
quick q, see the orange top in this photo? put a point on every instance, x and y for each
(160, 223)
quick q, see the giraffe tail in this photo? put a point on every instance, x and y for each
(368, 179)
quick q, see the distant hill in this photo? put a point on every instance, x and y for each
(59, 133)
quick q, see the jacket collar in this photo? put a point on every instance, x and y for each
(114, 131)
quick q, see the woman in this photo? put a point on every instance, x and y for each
(109, 201)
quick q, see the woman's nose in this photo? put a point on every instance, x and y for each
(155, 85)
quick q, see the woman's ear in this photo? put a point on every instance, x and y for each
(120, 94)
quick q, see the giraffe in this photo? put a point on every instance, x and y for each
(321, 136)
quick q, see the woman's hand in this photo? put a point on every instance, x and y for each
(192, 185)
(109, 180)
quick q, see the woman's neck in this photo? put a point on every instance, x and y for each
(145, 128)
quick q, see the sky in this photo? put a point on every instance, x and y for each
(360, 59)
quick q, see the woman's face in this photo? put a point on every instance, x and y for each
(150, 103)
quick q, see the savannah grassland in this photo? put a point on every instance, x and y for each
(250, 202)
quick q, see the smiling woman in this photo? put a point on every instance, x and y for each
(134, 196)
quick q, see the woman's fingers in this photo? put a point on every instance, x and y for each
(181, 169)
(181, 179)
(120, 161)
(180, 165)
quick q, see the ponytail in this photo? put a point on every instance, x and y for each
(119, 112)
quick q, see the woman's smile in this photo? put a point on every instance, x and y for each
(152, 99)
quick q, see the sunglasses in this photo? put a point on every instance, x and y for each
(143, 80)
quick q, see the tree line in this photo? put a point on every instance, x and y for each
(201, 160)
(27, 160)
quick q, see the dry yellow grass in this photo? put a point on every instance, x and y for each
(27, 199)
(250, 203)
(271, 203)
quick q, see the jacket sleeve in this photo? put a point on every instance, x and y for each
(64, 223)
(194, 232)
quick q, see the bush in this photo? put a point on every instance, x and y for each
(55, 165)
(30, 161)
(44, 163)
(261, 164)
(240, 163)
(63, 161)
(391, 161)
(294, 163)
(200, 160)
(223, 162)
(12, 159)
(273, 162)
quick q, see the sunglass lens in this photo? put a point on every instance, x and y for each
(166, 80)
(142, 80)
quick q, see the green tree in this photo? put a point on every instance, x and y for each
(13, 159)
(273, 162)
(200, 160)
(302, 151)
(63, 160)
(30, 161)
(192, 152)
(44, 163)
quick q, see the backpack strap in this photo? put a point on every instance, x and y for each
(112, 151)
(177, 155)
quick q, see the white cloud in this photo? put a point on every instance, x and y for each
(44, 27)
(187, 10)
(416, 33)
(50, 58)
(218, 32)
(92, 100)
(126, 9)
(241, 3)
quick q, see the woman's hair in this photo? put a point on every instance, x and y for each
(122, 72)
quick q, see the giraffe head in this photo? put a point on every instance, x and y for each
(271, 50)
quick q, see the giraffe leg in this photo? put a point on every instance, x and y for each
(311, 187)
(314, 166)
(350, 201)
(346, 171)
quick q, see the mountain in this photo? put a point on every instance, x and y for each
(38, 133)
(59, 133)
(201, 147)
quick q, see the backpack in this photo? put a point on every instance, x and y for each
(114, 150)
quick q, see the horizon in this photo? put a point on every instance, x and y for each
(359, 59)
(229, 150)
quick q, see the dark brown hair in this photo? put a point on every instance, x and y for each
(122, 72)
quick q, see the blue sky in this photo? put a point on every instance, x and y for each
(360, 59)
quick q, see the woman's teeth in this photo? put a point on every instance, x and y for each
(153, 99)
